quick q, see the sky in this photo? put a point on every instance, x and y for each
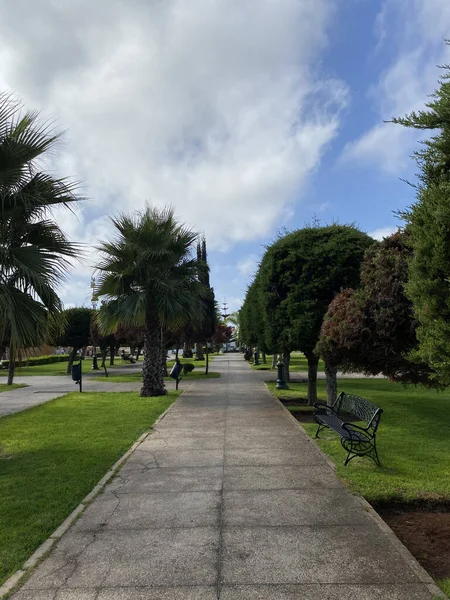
(249, 117)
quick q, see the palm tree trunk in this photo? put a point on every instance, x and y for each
(152, 369)
(11, 367)
(112, 350)
(187, 349)
(199, 351)
(104, 352)
(207, 358)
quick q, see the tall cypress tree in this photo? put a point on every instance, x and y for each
(428, 222)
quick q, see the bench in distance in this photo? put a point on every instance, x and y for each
(355, 439)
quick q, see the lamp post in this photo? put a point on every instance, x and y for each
(94, 300)
(225, 316)
(281, 383)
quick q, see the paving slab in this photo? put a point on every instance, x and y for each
(173, 593)
(280, 477)
(259, 457)
(280, 508)
(326, 592)
(338, 554)
(62, 595)
(150, 557)
(183, 442)
(293, 441)
(152, 511)
(227, 498)
(189, 479)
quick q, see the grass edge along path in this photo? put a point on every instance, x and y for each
(7, 388)
(298, 363)
(412, 442)
(52, 455)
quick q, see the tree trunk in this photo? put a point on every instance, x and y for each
(11, 367)
(187, 349)
(132, 350)
(274, 361)
(199, 351)
(207, 359)
(287, 361)
(313, 363)
(72, 355)
(152, 369)
(111, 355)
(331, 372)
(264, 358)
(104, 352)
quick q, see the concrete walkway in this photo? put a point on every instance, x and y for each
(227, 498)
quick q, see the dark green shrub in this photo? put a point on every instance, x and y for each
(188, 368)
(33, 361)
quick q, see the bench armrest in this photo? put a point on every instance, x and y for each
(349, 426)
(323, 408)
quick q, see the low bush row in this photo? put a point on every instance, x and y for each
(33, 361)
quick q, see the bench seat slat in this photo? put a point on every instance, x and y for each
(335, 423)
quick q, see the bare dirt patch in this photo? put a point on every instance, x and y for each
(425, 531)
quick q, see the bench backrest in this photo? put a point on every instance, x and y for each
(359, 407)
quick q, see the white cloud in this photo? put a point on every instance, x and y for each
(214, 107)
(247, 266)
(382, 232)
(418, 47)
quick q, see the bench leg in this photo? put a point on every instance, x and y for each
(349, 458)
(352, 452)
(319, 429)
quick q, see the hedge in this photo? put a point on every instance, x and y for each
(33, 361)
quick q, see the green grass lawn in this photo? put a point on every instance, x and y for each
(14, 386)
(52, 455)
(61, 367)
(413, 442)
(298, 363)
(135, 377)
(199, 364)
(56, 368)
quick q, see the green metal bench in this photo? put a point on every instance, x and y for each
(355, 439)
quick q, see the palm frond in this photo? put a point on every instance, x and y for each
(34, 252)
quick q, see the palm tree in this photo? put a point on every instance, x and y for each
(149, 277)
(34, 253)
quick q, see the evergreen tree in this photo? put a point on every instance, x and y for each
(373, 330)
(428, 223)
(300, 274)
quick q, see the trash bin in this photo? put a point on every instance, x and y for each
(175, 371)
(76, 372)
